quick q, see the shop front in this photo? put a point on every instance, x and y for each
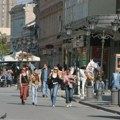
(74, 53)
(96, 48)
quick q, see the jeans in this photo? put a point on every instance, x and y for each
(53, 93)
(45, 88)
(34, 94)
(69, 94)
(97, 86)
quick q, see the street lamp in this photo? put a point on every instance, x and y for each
(103, 36)
(92, 22)
(116, 23)
(69, 31)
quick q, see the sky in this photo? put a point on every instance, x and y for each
(23, 1)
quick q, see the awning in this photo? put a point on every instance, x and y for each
(20, 56)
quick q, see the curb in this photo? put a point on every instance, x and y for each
(98, 107)
(95, 106)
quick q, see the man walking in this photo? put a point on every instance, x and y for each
(115, 80)
(44, 77)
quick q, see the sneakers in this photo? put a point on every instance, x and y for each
(53, 105)
(69, 105)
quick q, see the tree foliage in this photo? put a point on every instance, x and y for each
(4, 46)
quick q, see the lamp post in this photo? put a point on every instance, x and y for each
(69, 31)
(91, 26)
(103, 36)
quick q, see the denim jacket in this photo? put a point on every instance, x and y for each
(115, 80)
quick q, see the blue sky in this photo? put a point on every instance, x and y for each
(23, 1)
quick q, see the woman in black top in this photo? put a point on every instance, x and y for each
(23, 85)
(54, 82)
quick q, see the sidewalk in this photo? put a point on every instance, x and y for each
(103, 105)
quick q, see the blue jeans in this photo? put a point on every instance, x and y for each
(53, 93)
(97, 86)
(69, 94)
(34, 94)
(45, 88)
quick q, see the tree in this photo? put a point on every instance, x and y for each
(4, 46)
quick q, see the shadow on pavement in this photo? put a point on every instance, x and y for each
(110, 117)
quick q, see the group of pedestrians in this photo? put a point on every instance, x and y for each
(27, 79)
(6, 77)
(49, 81)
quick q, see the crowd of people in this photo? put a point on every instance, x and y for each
(6, 77)
(48, 80)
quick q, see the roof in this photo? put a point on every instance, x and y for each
(32, 23)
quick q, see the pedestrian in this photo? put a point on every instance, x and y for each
(69, 85)
(53, 84)
(115, 80)
(61, 75)
(9, 78)
(24, 82)
(99, 84)
(34, 82)
(44, 77)
(4, 77)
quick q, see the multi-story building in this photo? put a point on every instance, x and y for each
(5, 7)
(22, 27)
(49, 18)
(77, 14)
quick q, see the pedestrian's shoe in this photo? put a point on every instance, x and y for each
(53, 105)
(33, 103)
(67, 105)
(23, 102)
(70, 105)
(43, 95)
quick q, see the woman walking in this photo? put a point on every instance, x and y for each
(53, 84)
(34, 82)
(24, 82)
(69, 83)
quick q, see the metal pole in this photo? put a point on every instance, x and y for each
(102, 53)
(88, 48)
(99, 92)
(88, 32)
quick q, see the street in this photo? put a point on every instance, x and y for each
(10, 103)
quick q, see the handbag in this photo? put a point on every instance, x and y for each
(49, 83)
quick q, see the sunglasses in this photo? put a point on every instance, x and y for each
(55, 69)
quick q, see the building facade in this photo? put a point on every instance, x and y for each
(5, 7)
(77, 13)
(50, 20)
(53, 19)
(22, 27)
